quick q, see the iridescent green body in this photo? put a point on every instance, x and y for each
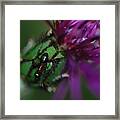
(42, 65)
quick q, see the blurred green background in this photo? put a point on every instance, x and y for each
(31, 29)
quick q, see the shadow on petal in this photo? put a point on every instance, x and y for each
(92, 74)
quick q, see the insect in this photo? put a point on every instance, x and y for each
(46, 66)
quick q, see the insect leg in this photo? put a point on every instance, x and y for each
(55, 55)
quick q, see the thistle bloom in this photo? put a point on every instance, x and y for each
(80, 40)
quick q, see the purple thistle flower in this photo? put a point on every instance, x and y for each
(80, 39)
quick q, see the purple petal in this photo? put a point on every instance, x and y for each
(92, 74)
(74, 80)
(61, 90)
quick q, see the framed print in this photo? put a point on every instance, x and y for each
(60, 56)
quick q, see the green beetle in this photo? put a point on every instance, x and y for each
(42, 65)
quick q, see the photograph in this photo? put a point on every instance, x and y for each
(60, 56)
(59, 59)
